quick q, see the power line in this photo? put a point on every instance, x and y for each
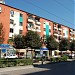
(49, 12)
(64, 6)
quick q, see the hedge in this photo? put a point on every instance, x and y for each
(15, 62)
(58, 59)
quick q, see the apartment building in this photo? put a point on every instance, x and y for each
(16, 21)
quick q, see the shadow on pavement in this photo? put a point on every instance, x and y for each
(61, 68)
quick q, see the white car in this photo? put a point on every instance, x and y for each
(73, 55)
(11, 56)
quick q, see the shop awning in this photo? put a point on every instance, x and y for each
(44, 48)
(5, 46)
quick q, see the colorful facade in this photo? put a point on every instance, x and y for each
(16, 21)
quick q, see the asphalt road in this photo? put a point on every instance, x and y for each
(63, 68)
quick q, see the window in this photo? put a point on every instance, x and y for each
(12, 13)
(63, 34)
(20, 31)
(21, 15)
(37, 18)
(55, 36)
(21, 24)
(11, 21)
(49, 30)
(30, 25)
(0, 9)
(44, 29)
(59, 26)
(11, 30)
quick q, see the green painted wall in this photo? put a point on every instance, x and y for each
(47, 30)
(21, 19)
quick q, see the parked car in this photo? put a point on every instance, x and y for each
(71, 55)
(12, 56)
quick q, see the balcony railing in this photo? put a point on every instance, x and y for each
(37, 22)
(30, 19)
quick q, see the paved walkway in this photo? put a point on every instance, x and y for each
(25, 67)
(15, 68)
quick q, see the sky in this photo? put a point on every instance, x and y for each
(60, 11)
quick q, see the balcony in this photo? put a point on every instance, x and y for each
(30, 26)
(38, 30)
(71, 38)
(71, 33)
(55, 28)
(37, 22)
(30, 20)
(56, 34)
(59, 28)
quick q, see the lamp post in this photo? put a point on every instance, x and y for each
(27, 51)
(41, 51)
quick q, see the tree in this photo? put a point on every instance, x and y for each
(18, 42)
(52, 44)
(64, 44)
(33, 40)
(11, 41)
(1, 33)
(72, 46)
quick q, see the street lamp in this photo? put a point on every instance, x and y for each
(27, 51)
(41, 50)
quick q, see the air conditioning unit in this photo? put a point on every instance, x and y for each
(0, 9)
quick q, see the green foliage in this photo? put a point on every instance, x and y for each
(59, 59)
(19, 42)
(72, 45)
(15, 62)
(64, 58)
(33, 40)
(64, 44)
(51, 43)
(1, 33)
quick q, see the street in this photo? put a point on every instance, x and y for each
(62, 68)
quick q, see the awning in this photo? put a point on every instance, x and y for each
(5, 46)
(44, 49)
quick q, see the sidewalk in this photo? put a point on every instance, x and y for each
(70, 59)
(21, 67)
(15, 68)
(25, 67)
(40, 62)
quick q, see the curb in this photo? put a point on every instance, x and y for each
(15, 68)
(40, 63)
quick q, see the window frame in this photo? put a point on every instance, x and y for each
(11, 30)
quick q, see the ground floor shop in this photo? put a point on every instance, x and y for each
(6, 50)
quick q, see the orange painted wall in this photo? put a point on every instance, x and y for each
(51, 23)
(5, 20)
(41, 27)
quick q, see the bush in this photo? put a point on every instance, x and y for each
(53, 59)
(15, 62)
(58, 59)
(64, 58)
